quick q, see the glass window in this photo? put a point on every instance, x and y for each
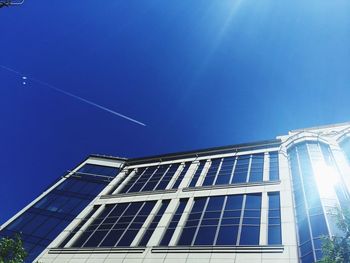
(117, 225)
(274, 219)
(227, 235)
(212, 172)
(274, 166)
(250, 235)
(99, 170)
(345, 146)
(216, 220)
(205, 235)
(151, 178)
(303, 157)
(225, 173)
(250, 232)
(241, 169)
(257, 168)
(182, 175)
(173, 223)
(154, 223)
(42, 222)
(197, 173)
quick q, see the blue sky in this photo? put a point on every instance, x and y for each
(198, 73)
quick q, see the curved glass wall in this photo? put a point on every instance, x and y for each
(345, 146)
(317, 189)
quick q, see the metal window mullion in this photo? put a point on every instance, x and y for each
(132, 221)
(200, 220)
(84, 226)
(218, 171)
(220, 220)
(149, 179)
(114, 223)
(241, 220)
(137, 179)
(233, 170)
(304, 195)
(164, 174)
(95, 175)
(98, 225)
(249, 168)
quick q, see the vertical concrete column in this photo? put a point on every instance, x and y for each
(264, 219)
(121, 176)
(163, 223)
(175, 176)
(182, 222)
(84, 227)
(203, 173)
(126, 180)
(266, 170)
(189, 174)
(146, 224)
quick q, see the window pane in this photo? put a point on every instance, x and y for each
(187, 236)
(227, 235)
(206, 235)
(250, 235)
(257, 168)
(215, 203)
(197, 173)
(241, 169)
(274, 235)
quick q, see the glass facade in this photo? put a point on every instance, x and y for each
(117, 225)
(274, 219)
(173, 223)
(197, 173)
(273, 166)
(233, 170)
(182, 175)
(147, 235)
(314, 176)
(151, 178)
(41, 223)
(223, 220)
(226, 202)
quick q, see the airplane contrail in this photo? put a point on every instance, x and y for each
(72, 95)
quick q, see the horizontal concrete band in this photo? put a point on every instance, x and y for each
(96, 250)
(216, 249)
(157, 192)
(189, 189)
(178, 249)
(225, 186)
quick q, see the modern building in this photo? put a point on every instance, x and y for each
(268, 201)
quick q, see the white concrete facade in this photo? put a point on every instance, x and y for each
(288, 251)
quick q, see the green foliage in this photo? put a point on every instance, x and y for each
(337, 249)
(11, 250)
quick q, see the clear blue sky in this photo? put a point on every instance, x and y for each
(199, 73)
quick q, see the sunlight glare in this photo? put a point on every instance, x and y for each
(326, 180)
